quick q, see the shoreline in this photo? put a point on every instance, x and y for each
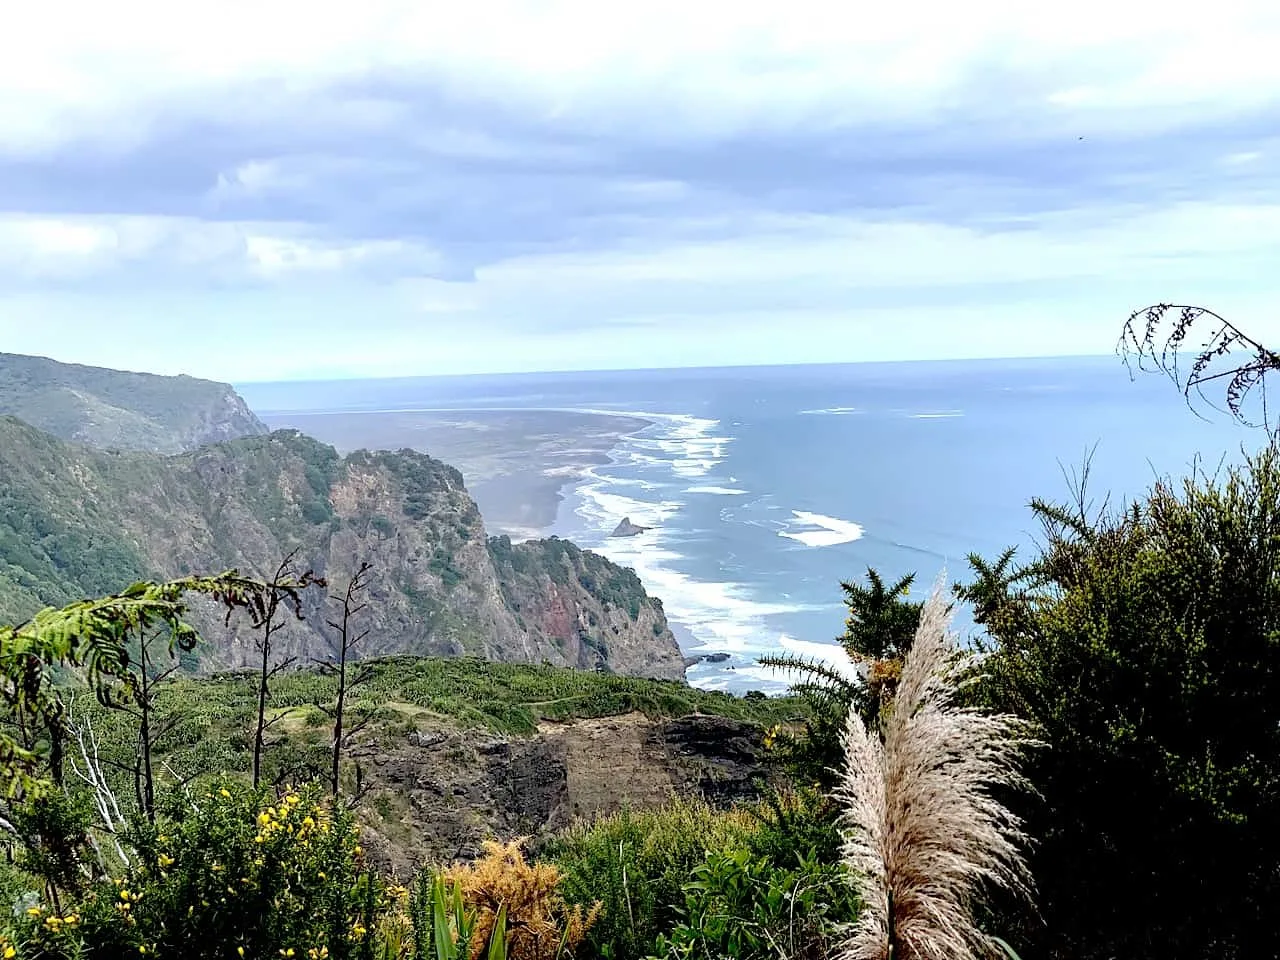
(519, 464)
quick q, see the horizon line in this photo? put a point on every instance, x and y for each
(689, 367)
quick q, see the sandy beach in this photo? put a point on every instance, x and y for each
(516, 463)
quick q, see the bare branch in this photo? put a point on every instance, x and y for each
(1155, 339)
(104, 798)
(356, 728)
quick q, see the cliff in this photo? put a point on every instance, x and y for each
(112, 409)
(455, 750)
(75, 521)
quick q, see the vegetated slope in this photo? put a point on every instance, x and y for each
(76, 522)
(456, 750)
(127, 411)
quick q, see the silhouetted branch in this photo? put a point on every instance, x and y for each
(287, 589)
(352, 605)
(1155, 338)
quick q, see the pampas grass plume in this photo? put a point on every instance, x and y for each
(925, 835)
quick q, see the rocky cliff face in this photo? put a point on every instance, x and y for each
(74, 521)
(113, 409)
(438, 791)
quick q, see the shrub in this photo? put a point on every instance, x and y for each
(877, 633)
(240, 875)
(742, 907)
(1143, 644)
(794, 825)
(636, 865)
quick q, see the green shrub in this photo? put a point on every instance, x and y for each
(636, 865)
(795, 825)
(1143, 643)
(742, 907)
(242, 874)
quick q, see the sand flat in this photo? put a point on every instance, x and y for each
(516, 463)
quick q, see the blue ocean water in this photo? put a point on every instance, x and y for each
(765, 487)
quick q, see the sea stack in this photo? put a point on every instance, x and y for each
(628, 529)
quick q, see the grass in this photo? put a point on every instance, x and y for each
(504, 698)
(210, 719)
(928, 835)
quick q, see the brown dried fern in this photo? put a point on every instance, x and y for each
(540, 925)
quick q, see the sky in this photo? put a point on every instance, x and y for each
(277, 190)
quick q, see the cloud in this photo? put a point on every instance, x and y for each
(575, 177)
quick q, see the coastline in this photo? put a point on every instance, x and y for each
(522, 466)
(519, 465)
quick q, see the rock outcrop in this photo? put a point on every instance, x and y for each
(441, 792)
(628, 529)
(76, 522)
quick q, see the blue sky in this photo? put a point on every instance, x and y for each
(269, 190)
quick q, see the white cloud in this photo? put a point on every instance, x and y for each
(851, 254)
(693, 243)
(68, 69)
(34, 248)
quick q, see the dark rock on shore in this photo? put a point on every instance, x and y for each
(628, 529)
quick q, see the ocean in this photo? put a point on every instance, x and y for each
(765, 487)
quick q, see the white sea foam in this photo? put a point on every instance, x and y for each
(829, 531)
(940, 415)
(608, 508)
(831, 412)
(720, 616)
(771, 679)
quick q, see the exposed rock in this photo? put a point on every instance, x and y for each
(628, 529)
(705, 658)
(441, 801)
(83, 522)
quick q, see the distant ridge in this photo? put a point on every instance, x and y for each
(113, 409)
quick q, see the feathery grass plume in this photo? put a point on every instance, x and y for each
(925, 835)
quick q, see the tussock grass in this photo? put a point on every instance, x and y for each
(926, 834)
